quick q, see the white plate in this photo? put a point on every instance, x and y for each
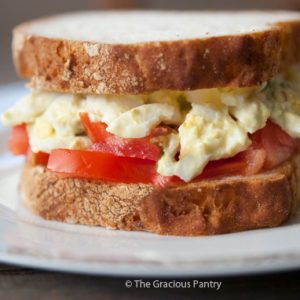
(32, 242)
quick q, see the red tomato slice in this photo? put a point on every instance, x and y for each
(255, 160)
(96, 131)
(18, 141)
(18, 144)
(164, 181)
(106, 166)
(39, 158)
(223, 167)
(282, 137)
(105, 141)
(265, 152)
(278, 145)
(103, 166)
(275, 154)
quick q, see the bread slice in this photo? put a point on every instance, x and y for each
(206, 207)
(138, 51)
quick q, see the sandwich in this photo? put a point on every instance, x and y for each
(175, 123)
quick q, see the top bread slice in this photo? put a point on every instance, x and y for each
(137, 52)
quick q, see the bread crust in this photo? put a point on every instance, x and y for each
(234, 61)
(206, 207)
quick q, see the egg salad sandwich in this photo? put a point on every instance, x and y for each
(177, 123)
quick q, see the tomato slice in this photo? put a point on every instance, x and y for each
(96, 131)
(223, 167)
(103, 164)
(39, 158)
(104, 141)
(282, 137)
(255, 159)
(164, 181)
(133, 160)
(277, 144)
(18, 144)
(100, 165)
(106, 166)
(18, 141)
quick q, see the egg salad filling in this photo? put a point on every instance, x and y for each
(208, 124)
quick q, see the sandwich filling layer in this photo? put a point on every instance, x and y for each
(192, 128)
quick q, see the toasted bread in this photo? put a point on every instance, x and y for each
(97, 54)
(206, 207)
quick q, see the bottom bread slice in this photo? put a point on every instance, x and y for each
(206, 207)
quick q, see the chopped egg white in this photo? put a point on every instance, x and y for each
(283, 101)
(139, 121)
(212, 123)
(28, 108)
(250, 112)
(59, 126)
(107, 108)
(54, 119)
(206, 134)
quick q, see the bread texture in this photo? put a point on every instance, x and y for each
(206, 207)
(140, 52)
